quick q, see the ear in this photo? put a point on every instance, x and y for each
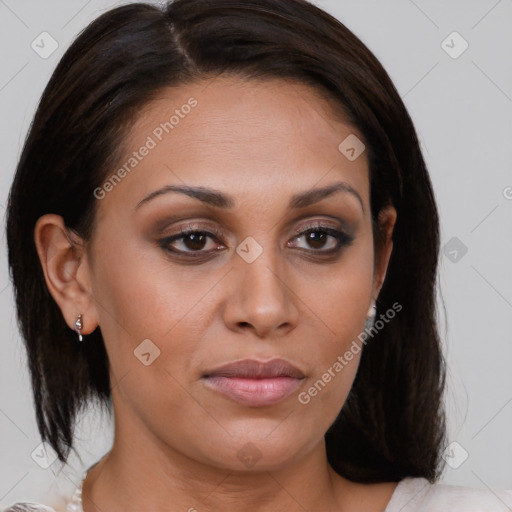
(386, 222)
(66, 271)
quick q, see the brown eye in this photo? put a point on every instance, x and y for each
(316, 238)
(192, 241)
(195, 241)
(189, 241)
(322, 239)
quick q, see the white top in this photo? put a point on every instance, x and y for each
(411, 495)
(419, 495)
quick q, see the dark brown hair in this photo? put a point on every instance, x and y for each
(392, 424)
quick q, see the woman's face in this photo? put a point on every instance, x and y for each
(276, 267)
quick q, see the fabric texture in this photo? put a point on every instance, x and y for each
(411, 495)
(419, 495)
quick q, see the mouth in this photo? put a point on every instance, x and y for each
(255, 383)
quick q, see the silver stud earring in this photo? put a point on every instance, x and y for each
(370, 319)
(78, 327)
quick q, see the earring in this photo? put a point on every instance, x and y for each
(370, 319)
(78, 327)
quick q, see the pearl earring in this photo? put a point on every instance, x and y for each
(370, 319)
(78, 327)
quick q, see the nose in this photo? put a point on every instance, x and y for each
(261, 297)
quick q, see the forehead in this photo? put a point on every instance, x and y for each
(234, 106)
(233, 133)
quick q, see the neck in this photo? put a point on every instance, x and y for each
(129, 479)
(142, 473)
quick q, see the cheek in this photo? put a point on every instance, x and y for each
(148, 306)
(140, 293)
(323, 396)
(340, 297)
(341, 306)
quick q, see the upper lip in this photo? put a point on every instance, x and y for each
(251, 368)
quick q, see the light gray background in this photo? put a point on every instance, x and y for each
(462, 109)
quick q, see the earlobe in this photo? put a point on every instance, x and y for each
(61, 259)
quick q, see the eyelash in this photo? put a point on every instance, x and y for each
(343, 240)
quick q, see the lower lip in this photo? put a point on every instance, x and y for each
(254, 392)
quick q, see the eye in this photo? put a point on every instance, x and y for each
(192, 241)
(321, 239)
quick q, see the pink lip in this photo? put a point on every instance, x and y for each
(255, 383)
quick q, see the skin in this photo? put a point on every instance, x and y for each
(177, 443)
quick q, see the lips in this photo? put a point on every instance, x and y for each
(252, 369)
(255, 383)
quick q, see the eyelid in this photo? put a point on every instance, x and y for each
(184, 229)
(312, 224)
(221, 233)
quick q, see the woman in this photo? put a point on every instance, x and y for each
(223, 230)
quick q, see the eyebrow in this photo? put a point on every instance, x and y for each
(219, 199)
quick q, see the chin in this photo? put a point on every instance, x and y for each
(259, 451)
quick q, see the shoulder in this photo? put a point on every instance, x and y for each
(67, 498)
(419, 495)
(28, 507)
